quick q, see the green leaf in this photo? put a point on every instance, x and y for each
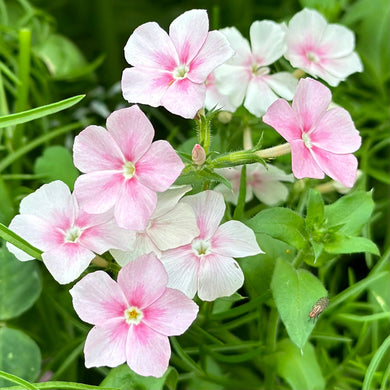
(315, 208)
(123, 378)
(352, 211)
(35, 113)
(20, 285)
(6, 206)
(19, 355)
(295, 292)
(56, 163)
(299, 369)
(283, 224)
(340, 243)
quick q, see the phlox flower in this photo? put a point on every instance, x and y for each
(262, 182)
(132, 317)
(322, 50)
(206, 265)
(123, 168)
(51, 220)
(322, 140)
(172, 224)
(171, 70)
(247, 77)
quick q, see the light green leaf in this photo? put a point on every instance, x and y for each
(295, 292)
(340, 243)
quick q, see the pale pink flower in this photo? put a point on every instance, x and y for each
(133, 317)
(214, 99)
(262, 182)
(321, 139)
(247, 77)
(123, 168)
(51, 220)
(206, 265)
(322, 50)
(172, 224)
(171, 70)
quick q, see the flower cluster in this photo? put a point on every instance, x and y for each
(171, 246)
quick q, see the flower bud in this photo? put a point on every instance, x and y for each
(198, 155)
(225, 117)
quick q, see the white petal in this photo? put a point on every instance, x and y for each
(239, 44)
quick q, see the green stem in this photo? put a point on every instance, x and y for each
(204, 131)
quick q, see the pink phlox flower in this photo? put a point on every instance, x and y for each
(171, 70)
(51, 220)
(206, 265)
(322, 50)
(262, 182)
(322, 140)
(246, 77)
(214, 99)
(123, 169)
(172, 224)
(132, 317)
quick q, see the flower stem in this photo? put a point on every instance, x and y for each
(247, 138)
(204, 130)
(275, 151)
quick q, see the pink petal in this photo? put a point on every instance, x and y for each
(67, 262)
(98, 299)
(135, 205)
(159, 167)
(106, 346)
(267, 40)
(336, 132)
(283, 119)
(132, 131)
(340, 167)
(209, 208)
(94, 149)
(143, 280)
(215, 51)
(303, 163)
(172, 314)
(107, 184)
(337, 41)
(240, 46)
(235, 239)
(145, 85)
(310, 102)
(175, 228)
(150, 47)
(184, 98)
(259, 96)
(147, 352)
(182, 266)
(219, 276)
(188, 33)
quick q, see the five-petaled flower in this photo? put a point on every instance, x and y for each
(321, 139)
(171, 70)
(51, 220)
(321, 49)
(123, 168)
(206, 265)
(247, 77)
(133, 317)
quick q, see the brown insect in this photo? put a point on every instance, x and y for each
(319, 307)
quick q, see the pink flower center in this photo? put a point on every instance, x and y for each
(128, 170)
(306, 140)
(73, 234)
(201, 247)
(180, 72)
(258, 70)
(312, 57)
(133, 315)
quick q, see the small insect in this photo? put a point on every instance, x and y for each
(319, 307)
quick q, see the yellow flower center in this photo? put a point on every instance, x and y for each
(128, 169)
(133, 315)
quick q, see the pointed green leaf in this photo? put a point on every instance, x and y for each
(315, 208)
(340, 243)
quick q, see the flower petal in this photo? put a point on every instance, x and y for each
(259, 96)
(336, 132)
(147, 352)
(283, 84)
(271, 192)
(240, 46)
(171, 314)
(106, 346)
(303, 163)
(94, 149)
(168, 199)
(149, 46)
(188, 33)
(341, 68)
(159, 167)
(132, 131)
(182, 267)
(143, 280)
(235, 239)
(267, 41)
(219, 276)
(98, 299)
(337, 41)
